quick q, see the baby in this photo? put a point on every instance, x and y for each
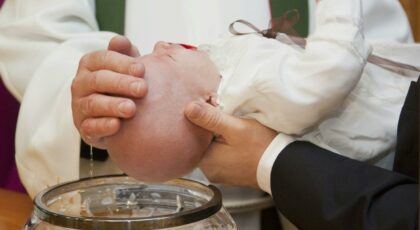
(159, 143)
(314, 94)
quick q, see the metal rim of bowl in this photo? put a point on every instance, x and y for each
(164, 221)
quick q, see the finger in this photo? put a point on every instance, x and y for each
(93, 130)
(209, 166)
(122, 44)
(213, 119)
(109, 60)
(99, 143)
(214, 164)
(99, 105)
(105, 81)
(137, 69)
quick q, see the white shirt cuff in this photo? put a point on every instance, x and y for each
(268, 158)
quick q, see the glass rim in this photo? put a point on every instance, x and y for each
(184, 217)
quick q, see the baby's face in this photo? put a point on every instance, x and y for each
(159, 143)
(193, 69)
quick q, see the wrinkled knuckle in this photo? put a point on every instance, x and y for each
(113, 107)
(86, 129)
(94, 80)
(77, 120)
(88, 106)
(104, 58)
(84, 60)
(213, 121)
(74, 106)
(74, 86)
(100, 80)
(100, 126)
(136, 69)
(95, 127)
(143, 88)
(121, 84)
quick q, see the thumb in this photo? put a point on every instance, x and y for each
(210, 118)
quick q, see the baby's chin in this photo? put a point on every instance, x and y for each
(160, 154)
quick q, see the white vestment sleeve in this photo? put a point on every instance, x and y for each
(41, 43)
(289, 89)
(385, 21)
(267, 160)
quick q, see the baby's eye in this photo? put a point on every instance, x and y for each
(171, 57)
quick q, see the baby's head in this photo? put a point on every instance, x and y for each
(159, 143)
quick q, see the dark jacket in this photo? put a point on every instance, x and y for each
(317, 189)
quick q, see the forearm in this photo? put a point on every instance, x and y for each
(40, 47)
(317, 189)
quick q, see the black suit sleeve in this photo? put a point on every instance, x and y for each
(318, 189)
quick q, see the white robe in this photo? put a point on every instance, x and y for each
(326, 93)
(41, 43)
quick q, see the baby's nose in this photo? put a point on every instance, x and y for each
(160, 46)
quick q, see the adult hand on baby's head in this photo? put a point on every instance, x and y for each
(104, 82)
(234, 156)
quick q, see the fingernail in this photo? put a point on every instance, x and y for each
(110, 124)
(125, 107)
(195, 110)
(136, 69)
(136, 88)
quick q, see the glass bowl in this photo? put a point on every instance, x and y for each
(121, 202)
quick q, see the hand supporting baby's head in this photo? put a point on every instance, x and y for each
(159, 143)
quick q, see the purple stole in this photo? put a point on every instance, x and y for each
(9, 108)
